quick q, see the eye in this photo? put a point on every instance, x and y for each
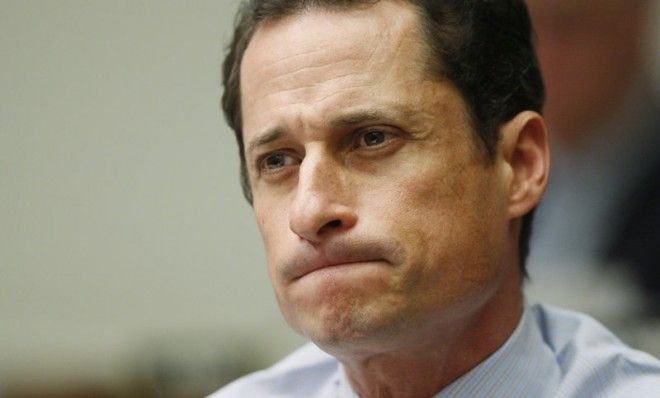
(276, 161)
(373, 138)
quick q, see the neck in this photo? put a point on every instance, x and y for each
(427, 367)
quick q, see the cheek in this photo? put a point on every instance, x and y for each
(444, 213)
(273, 227)
(423, 199)
(273, 235)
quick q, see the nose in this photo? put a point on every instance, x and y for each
(320, 207)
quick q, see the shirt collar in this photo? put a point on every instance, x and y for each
(523, 367)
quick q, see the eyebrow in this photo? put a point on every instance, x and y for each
(343, 121)
(265, 138)
(360, 117)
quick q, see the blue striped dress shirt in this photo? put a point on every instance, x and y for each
(552, 353)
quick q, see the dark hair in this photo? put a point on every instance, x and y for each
(483, 46)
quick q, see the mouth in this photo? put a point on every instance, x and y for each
(334, 266)
(340, 255)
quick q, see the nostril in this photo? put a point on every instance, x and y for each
(334, 224)
(330, 225)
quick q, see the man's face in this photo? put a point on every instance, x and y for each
(378, 212)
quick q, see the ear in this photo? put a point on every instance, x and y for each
(524, 149)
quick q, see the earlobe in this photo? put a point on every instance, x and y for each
(524, 149)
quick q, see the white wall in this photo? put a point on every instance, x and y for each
(121, 216)
(120, 209)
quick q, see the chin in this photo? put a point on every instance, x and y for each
(345, 324)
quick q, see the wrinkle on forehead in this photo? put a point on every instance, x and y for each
(303, 78)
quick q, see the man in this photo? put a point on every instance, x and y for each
(393, 151)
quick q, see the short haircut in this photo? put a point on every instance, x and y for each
(484, 47)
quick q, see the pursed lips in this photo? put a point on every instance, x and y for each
(329, 263)
(309, 258)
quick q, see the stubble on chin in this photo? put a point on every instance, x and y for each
(352, 322)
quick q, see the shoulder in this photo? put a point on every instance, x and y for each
(593, 362)
(301, 374)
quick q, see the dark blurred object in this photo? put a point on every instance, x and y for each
(603, 200)
(72, 392)
(192, 365)
(183, 364)
(637, 239)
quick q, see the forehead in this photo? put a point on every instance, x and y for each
(280, 42)
(302, 55)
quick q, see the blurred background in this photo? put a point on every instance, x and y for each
(596, 239)
(130, 265)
